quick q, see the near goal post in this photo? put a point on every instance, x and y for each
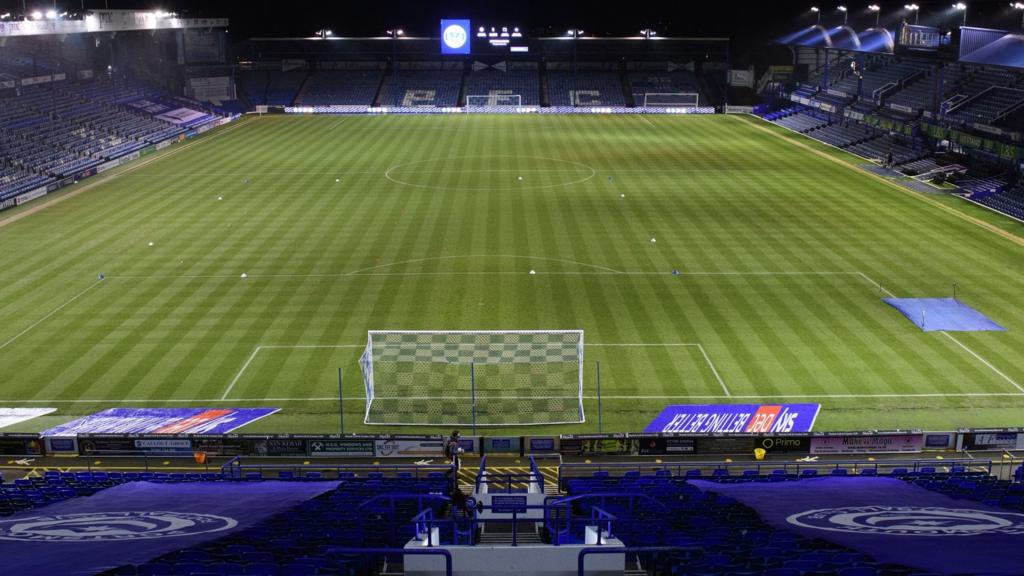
(460, 377)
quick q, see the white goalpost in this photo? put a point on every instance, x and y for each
(674, 99)
(493, 99)
(473, 377)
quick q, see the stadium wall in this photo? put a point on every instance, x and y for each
(430, 446)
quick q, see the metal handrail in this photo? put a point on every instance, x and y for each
(679, 468)
(403, 551)
(581, 559)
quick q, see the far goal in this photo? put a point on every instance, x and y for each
(462, 378)
(493, 99)
(673, 99)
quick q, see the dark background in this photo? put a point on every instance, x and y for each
(749, 24)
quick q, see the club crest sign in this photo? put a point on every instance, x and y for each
(910, 521)
(108, 526)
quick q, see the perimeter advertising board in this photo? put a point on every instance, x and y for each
(735, 419)
(868, 444)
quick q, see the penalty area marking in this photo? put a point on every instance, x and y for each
(252, 357)
(50, 314)
(954, 339)
(248, 362)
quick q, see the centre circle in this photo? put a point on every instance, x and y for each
(490, 173)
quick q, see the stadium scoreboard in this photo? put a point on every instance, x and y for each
(458, 36)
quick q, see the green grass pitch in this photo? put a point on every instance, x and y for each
(349, 224)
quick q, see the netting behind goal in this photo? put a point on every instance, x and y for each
(493, 99)
(458, 378)
(680, 99)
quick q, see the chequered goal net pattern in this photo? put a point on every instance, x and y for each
(512, 378)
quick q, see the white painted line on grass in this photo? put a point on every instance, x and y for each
(239, 374)
(983, 361)
(252, 357)
(52, 312)
(713, 370)
(956, 341)
(586, 397)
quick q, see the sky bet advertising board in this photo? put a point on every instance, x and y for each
(735, 419)
(455, 36)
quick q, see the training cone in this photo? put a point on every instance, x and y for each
(759, 453)
(200, 457)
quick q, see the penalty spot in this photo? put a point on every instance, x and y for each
(653, 240)
(244, 275)
(533, 272)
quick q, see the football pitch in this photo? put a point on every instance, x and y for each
(341, 225)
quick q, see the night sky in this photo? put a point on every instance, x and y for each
(749, 24)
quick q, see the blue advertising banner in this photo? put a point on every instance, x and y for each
(136, 522)
(891, 521)
(455, 35)
(735, 418)
(161, 421)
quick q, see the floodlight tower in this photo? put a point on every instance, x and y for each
(817, 12)
(878, 12)
(913, 8)
(575, 34)
(395, 34)
(1019, 6)
(960, 6)
(846, 13)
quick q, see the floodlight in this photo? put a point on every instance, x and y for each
(911, 7)
(960, 6)
(37, 15)
(815, 9)
(874, 7)
(841, 8)
(51, 14)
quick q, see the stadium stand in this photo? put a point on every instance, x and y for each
(521, 82)
(1010, 201)
(326, 87)
(282, 87)
(585, 88)
(711, 534)
(421, 88)
(61, 129)
(988, 106)
(677, 81)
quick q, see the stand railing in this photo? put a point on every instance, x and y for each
(954, 466)
(365, 554)
(654, 550)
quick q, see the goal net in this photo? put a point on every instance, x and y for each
(493, 99)
(678, 99)
(461, 378)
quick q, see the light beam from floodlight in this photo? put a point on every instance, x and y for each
(915, 9)
(1019, 6)
(963, 8)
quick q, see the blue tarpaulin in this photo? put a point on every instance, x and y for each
(134, 523)
(932, 314)
(890, 520)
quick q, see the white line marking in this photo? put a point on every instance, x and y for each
(388, 176)
(713, 370)
(644, 118)
(983, 361)
(52, 312)
(239, 374)
(252, 357)
(433, 258)
(587, 397)
(956, 341)
(365, 272)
